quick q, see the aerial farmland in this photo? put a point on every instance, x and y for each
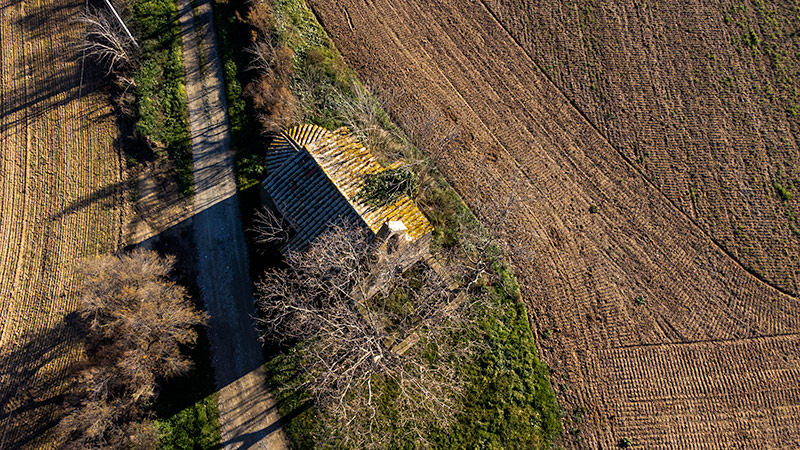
(61, 176)
(609, 194)
(643, 147)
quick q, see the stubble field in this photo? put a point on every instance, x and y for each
(704, 97)
(650, 319)
(60, 199)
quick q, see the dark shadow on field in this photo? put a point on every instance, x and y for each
(107, 197)
(57, 74)
(23, 105)
(28, 407)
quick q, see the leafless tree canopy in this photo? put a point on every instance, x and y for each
(105, 41)
(270, 92)
(354, 348)
(268, 228)
(136, 319)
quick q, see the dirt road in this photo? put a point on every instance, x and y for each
(61, 193)
(709, 360)
(248, 418)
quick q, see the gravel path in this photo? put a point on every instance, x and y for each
(248, 417)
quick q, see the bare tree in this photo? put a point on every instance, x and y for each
(355, 346)
(270, 92)
(268, 228)
(136, 320)
(106, 41)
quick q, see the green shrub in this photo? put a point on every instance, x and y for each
(161, 102)
(783, 193)
(383, 188)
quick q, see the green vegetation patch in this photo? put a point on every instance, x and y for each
(193, 427)
(233, 37)
(383, 188)
(161, 112)
(510, 403)
(783, 192)
(769, 31)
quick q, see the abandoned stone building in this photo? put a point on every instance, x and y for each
(314, 177)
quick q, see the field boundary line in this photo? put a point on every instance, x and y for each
(628, 161)
(707, 341)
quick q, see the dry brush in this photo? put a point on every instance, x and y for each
(136, 322)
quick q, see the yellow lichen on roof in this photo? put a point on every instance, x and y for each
(345, 161)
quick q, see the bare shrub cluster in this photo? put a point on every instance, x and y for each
(374, 364)
(273, 101)
(136, 321)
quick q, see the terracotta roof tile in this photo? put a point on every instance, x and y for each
(314, 174)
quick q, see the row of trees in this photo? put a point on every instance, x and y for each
(135, 321)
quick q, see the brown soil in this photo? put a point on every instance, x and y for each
(705, 113)
(710, 360)
(158, 207)
(61, 193)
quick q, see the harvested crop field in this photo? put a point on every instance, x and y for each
(664, 335)
(60, 196)
(703, 96)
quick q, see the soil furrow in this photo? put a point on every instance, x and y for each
(581, 271)
(57, 151)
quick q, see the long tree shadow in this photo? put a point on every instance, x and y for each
(33, 382)
(57, 74)
(28, 409)
(249, 440)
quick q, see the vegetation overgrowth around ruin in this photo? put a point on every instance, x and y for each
(379, 348)
(508, 399)
(383, 188)
(160, 104)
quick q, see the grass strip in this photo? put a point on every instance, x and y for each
(233, 38)
(161, 112)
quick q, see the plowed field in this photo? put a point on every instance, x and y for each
(60, 197)
(710, 359)
(703, 96)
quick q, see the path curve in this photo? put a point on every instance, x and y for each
(248, 416)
